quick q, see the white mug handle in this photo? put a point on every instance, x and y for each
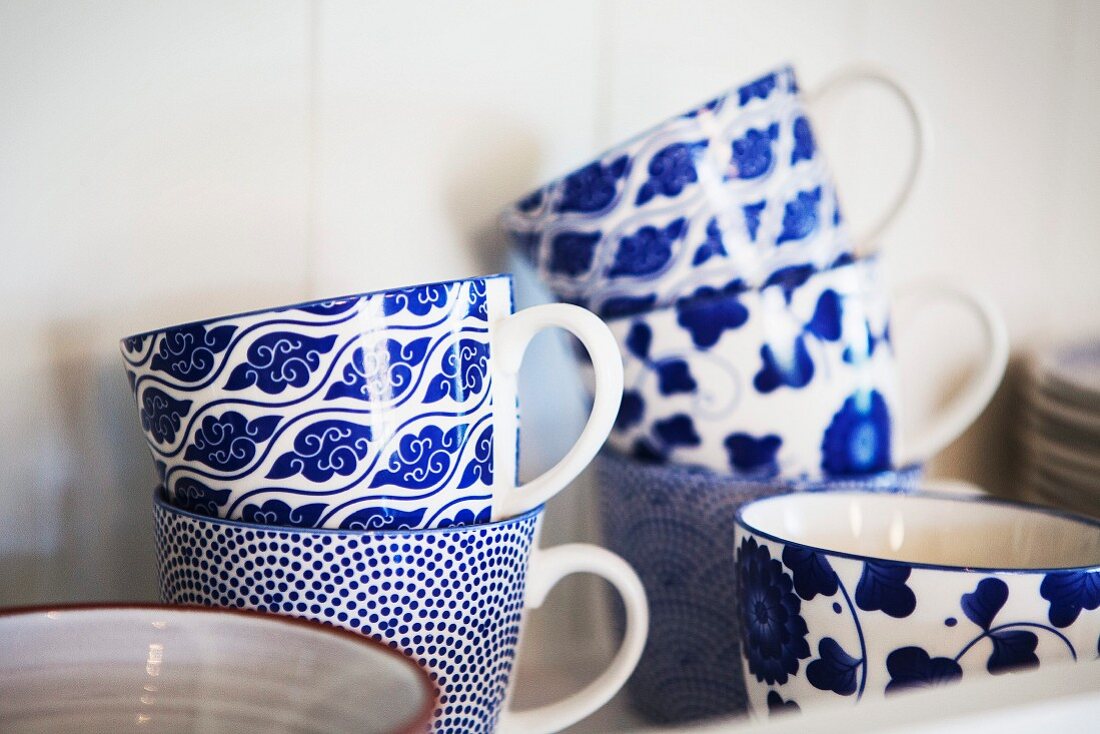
(867, 241)
(510, 341)
(547, 568)
(970, 402)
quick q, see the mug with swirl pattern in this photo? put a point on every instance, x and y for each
(395, 409)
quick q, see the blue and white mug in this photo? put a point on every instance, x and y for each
(854, 596)
(394, 409)
(735, 188)
(452, 599)
(795, 379)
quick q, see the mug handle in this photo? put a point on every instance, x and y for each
(547, 568)
(865, 74)
(969, 404)
(513, 334)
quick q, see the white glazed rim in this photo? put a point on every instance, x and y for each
(162, 504)
(417, 724)
(315, 302)
(1023, 507)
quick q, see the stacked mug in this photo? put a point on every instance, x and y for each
(354, 461)
(755, 332)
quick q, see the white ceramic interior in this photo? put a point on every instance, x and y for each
(959, 532)
(180, 669)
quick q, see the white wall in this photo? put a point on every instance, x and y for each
(166, 161)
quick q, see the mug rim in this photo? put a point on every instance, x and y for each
(418, 724)
(721, 294)
(1025, 507)
(314, 302)
(784, 67)
(161, 504)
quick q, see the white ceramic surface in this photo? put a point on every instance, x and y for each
(86, 670)
(850, 596)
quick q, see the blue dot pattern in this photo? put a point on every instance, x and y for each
(674, 525)
(451, 599)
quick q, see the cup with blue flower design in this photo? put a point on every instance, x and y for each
(849, 596)
(794, 379)
(393, 409)
(452, 599)
(734, 188)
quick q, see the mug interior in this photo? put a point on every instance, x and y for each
(927, 529)
(179, 669)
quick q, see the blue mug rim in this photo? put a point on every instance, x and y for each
(315, 302)
(739, 521)
(786, 67)
(162, 504)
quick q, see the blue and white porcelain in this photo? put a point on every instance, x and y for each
(674, 526)
(452, 599)
(854, 596)
(735, 188)
(394, 409)
(797, 378)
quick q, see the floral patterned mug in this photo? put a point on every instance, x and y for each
(795, 379)
(850, 595)
(394, 409)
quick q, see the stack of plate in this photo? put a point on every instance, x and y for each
(1062, 428)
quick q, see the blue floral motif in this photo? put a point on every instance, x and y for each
(751, 455)
(466, 517)
(794, 370)
(789, 279)
(161, 414)
(648, 250)
(571, 253)
(679, 430)
(330, 308)
(776, 704)
(418, 300)
(480, 468)
(646, 452)
(465, 367)
(280, 360)
(422, 459)
(857, 352)
(712, 246)
(857, 440)
(1070, 592)
(982, 604)
(913, 667)
(277, 512)
(752, 152)
(631, 410)
(323, 449)
(759, 89)
(592, 188)
(192, 495)
(710, 106)
(834, 669)
(803, 140)
(708, 314)
(882, 587)
(1012, 651)
(229, 442)
(134, 344)
(381, 371)
(380, 518)
(627, 305)
(477, 300)
(531, 202)
(639, 339)
(825, 324)
(752, 214)
(671, 169)
(773, 630)
(674, 376)
(800, 216)
(189, 353)
(813, 574)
